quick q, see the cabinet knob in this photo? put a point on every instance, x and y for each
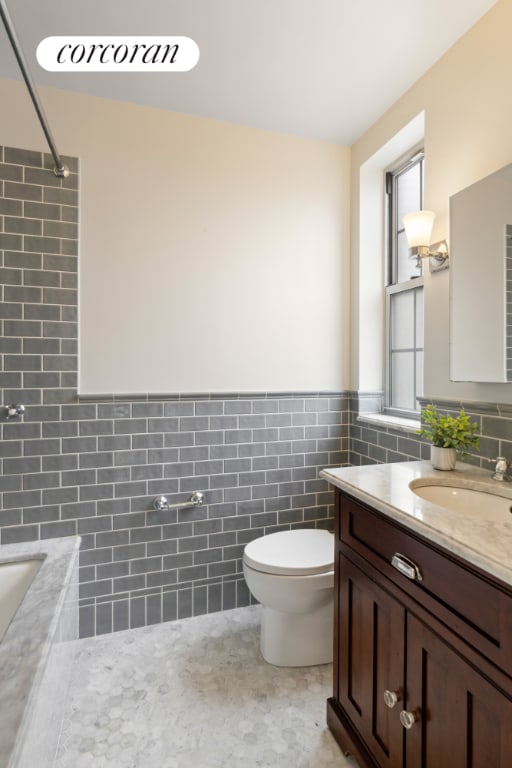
(408, 718)
(391, 698)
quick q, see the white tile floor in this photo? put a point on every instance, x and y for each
(195, 693)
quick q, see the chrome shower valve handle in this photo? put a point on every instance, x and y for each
(14, 411)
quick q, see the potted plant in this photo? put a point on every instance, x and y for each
(449, 435)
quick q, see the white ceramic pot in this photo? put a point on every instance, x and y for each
(443, 458)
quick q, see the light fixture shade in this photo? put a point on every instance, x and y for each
(418, 228)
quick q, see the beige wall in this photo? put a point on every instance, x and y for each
(468, 130)
(213, 257)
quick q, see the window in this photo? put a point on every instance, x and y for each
(404, 292)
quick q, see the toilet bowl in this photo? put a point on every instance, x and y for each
(291, 573)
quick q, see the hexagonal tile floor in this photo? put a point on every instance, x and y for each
(195, 693)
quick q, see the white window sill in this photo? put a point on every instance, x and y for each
(395, 422)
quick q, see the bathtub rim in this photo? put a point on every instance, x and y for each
(27, 642)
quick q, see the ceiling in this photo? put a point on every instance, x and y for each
(325, 69)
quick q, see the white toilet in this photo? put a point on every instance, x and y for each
(291, 573)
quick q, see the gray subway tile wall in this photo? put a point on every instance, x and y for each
(91, 466)
(372, 443)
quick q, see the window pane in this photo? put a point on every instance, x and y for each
(408, 191)
(405, 306)
(419, 318)
(402, 320)
(405, 266)
(402, 383)
(419, 374)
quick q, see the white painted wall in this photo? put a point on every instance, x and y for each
(468, 124)
(213, 257)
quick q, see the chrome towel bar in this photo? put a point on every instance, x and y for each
(161, 504)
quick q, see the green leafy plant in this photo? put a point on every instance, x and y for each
(447, 431)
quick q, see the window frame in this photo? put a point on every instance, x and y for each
(392, 287)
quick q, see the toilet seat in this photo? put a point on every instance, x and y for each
(301, 552)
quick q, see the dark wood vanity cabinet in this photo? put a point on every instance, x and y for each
(414, 683)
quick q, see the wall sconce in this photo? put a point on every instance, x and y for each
(418, 230)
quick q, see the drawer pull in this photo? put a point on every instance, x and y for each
(406, 567)
(391, 698)
(408, 718)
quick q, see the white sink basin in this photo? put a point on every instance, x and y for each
(468, 500)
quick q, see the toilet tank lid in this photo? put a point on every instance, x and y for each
(299, 552)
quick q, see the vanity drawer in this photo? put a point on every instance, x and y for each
(472, 604)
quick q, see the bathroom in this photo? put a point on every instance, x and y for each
(274, 356)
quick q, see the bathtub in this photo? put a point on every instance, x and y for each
(38, 627)
(15, 579)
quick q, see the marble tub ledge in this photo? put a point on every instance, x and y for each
(29, 643)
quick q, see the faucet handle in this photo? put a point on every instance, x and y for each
(495, 459)
(500, 471)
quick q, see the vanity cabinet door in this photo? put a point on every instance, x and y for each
(413, 684)
(462, 720)
(371, 663)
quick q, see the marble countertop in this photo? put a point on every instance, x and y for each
(28, 638)
(483, 539)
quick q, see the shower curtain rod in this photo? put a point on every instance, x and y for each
(60, 169)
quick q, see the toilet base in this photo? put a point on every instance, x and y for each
(297, 640)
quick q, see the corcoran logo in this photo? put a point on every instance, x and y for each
(117, 54)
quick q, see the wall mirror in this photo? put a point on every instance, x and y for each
(481, 271)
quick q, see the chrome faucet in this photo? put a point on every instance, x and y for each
(501, 469)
